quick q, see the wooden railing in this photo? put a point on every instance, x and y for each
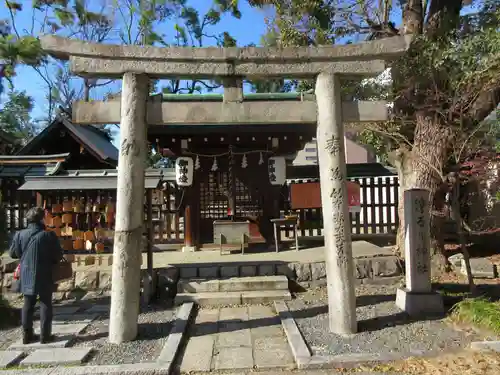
(378, 212)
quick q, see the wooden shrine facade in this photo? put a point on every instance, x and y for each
(230, 180)
(43, 180)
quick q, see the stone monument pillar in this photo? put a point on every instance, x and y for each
(417, 297)
(336, 222)
(129, 227)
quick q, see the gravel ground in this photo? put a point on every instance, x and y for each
(155, 324)
(382, 326)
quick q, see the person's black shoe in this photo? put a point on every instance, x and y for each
(47, 339)
(29, 337)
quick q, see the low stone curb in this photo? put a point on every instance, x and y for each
(171, 347)
(492, 346)
(9, 358)
(301, 353)
(305, 360)
(131, 369)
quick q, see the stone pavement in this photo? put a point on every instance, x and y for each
(68, 322)
(236, 338)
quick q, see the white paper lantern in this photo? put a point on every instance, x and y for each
(184, 171)
(276, 167)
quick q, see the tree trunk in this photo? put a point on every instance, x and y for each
(455, 212)
(421, 168)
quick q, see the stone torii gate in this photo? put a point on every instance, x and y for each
(136, 65)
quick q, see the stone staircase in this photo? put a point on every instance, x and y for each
(233, 291)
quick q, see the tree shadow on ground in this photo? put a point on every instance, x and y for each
(10, 317)
(372, 324)
(145, 332)
(399, 319)
(455, 292)
(374, 299)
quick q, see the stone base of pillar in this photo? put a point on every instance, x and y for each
(188, 249)
(419, 304)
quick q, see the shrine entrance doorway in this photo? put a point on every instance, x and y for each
(225, 196)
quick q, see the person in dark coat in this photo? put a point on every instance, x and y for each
(39, 251)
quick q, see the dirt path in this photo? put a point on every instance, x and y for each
(466, 362)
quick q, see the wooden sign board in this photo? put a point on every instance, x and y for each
(308, 195)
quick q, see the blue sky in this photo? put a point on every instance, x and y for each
(246, 30)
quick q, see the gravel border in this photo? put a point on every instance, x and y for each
(155, 324)
(383, 328)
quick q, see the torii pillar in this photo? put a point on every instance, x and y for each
(129, 225)
(335, 207)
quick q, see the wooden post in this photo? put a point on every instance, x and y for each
(127, 250)
(188, 229)
(336, 224)
(39, 199)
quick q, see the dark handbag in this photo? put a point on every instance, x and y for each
(62, 271)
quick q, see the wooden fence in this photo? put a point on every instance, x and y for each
(167, 221)
(15, 203)
(378, 214)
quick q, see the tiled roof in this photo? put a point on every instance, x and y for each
(94, 140)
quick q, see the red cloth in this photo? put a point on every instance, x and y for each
(17, 272)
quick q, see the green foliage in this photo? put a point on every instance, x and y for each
(15, 116)
(21, 46)
(16, 50)
(25, 49)
(153, 158)
(479, 312)
(444, 74)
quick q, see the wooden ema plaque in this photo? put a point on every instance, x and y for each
(308, 195)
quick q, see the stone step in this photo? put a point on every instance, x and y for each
(234, 284)
(233, 298)
(9, 358)
(59, 356)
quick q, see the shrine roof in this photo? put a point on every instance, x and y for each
(104, 179)
(93, 139)
(19, 166)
